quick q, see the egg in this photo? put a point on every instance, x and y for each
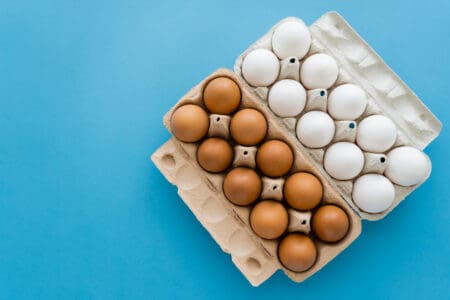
(189, 123)
(343, 160)
(373, 193)
(291, 38)
(315, 129)
(330, 223)
(248, 127)
(407, 166)
(319, 71)
(222, 95)
(274, 158)
(215, 155)
(269, 219)
(303, 191)
(242, 186)
(287, 98)
(260, 67)
(376, 133)
(347, 102)
(297, 252)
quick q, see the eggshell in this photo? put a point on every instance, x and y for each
(373, 193)
(274, 158)
(330, 223)
(189, 123)
(222, 95)
(291, 39)
(214, 155)
(303, 191)
(407, 166)
(376, 133)
(287, 98)
(319, 71)
(343, 160)
(297, 252)
(347, 102)
(248, 127)
(242, 186)
(260, 67)
(269, 219)
(315, 129)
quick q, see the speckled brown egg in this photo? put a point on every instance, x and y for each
(297, 252)
(274, 158)
(248, 127)
(242, 186)
(222, 95)
(303, 191)
(189, 123)
(215, 155)
(269, 219)
(330, 223)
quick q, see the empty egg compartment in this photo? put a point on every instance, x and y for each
(388, 98)
(249, 251)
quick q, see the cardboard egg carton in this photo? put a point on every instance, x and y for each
(227, 223)
(387, 95)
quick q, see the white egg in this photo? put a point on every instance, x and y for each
(376, 133)
(407, 166)
(260, 67)
(315, 129)
(343, 160)
(373, 193)
(347, 102)
(291, 39)
(319, 71)
(287, 98)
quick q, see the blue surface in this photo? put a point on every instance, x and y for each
(85, 215)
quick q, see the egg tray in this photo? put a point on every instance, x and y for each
(387, 95)
(227, 223)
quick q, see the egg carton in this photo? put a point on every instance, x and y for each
(227, 223)
(386, 93)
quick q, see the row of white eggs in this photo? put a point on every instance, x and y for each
(290, 39)
(315, 129)
(287, 98)
(261, 68)
(372, 193)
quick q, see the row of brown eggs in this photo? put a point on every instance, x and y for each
(242, 186)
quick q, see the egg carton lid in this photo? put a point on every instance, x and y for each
(331, 34)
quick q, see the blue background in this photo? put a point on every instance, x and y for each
(85, 214)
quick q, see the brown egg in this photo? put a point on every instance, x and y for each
(215, 155)
(242, 186)
(248, 127)
(269, 219)
(330, 223)
(274, 158)
(297, 252)
(189, 123)
(303, 191)
(222, 95)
